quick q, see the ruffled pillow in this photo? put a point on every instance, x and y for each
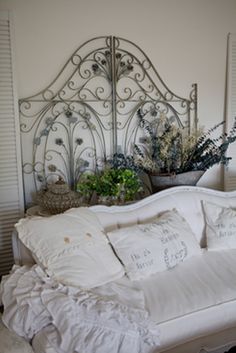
(71, 247)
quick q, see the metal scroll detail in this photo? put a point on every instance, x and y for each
(89, 112)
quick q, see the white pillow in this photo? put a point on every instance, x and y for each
(220, 226)
(154, 247)
(71, 247)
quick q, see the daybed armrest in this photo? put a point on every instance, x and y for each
(22, 256)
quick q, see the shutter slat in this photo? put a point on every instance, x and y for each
(230, 170)
(10, 182)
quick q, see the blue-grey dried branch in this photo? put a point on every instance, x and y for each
(120, 161)
(168, 149)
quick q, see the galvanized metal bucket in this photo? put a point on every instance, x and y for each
(161, 181)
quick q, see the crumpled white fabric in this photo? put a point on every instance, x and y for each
(77, 320)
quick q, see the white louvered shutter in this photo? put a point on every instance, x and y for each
(11, 191)
(230, 170)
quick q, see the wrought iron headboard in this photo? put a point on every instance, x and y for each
(89, 111)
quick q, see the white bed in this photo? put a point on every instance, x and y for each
(189, 308)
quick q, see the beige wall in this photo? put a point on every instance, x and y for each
(185, 39)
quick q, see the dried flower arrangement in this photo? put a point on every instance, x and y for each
(168, 149)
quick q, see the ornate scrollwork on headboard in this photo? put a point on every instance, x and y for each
(89, 112)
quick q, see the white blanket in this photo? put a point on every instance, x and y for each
(79, 321)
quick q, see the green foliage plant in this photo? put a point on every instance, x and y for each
(114, 183)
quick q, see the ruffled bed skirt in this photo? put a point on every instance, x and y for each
(72, 319)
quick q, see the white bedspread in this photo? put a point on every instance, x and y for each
(76, 320)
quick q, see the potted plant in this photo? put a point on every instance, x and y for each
(171, 156)
(111, 185)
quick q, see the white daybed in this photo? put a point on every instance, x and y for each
(192, 305)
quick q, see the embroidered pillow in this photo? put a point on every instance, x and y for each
(153, 247)
(220, 226)
(71, 247)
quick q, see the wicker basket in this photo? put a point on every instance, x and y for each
(58, 198)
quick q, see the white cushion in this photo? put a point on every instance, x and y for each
(153, 247)
(71, 247)
(220, 226)
(195, 299)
